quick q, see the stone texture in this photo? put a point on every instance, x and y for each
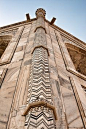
(42, 77)
(78, 57)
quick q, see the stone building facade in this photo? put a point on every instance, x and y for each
(42, 76)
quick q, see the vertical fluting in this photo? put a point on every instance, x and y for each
(40, 116)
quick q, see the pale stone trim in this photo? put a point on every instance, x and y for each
(68, 35)
(80, 107)
(75, 47)
(2, 75)
(68, 62)
(73, 39)
(38, 104)
(62, 32)
(39, 47)
(40, 27)
(8, 54)
(73, 71)
(15, 25)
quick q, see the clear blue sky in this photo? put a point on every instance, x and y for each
(70, 14)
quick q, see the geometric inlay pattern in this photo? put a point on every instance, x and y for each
(40, 116)
(39, 84)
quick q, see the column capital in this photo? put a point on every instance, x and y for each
(40, 13)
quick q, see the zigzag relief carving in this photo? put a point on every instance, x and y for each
(40, 116)
(40, 86)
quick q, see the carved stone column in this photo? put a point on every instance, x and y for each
(40, 112)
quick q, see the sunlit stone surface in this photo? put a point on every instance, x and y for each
(42, 76)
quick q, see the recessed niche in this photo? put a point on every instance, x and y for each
(78, 57)
(4, 41)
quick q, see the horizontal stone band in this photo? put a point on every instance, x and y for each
(40, 27)
(38, 104)
(39, 47)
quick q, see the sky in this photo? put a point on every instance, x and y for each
(70, 14)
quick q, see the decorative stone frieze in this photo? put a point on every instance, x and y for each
(39, 103)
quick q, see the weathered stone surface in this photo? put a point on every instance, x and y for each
(42, 77)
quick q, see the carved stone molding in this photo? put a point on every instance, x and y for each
(80, 107)
(67, 60)
(40, 13)
(76, 73)
(68, 35)
(8, 54)
(2, 75)
(39, 104)
(39, 47)
(40, 27)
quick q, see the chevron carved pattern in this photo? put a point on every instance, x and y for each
(40, 116)
(39, 84)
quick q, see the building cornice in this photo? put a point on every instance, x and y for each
(65, 33)
(16, 25)
(62, 32)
